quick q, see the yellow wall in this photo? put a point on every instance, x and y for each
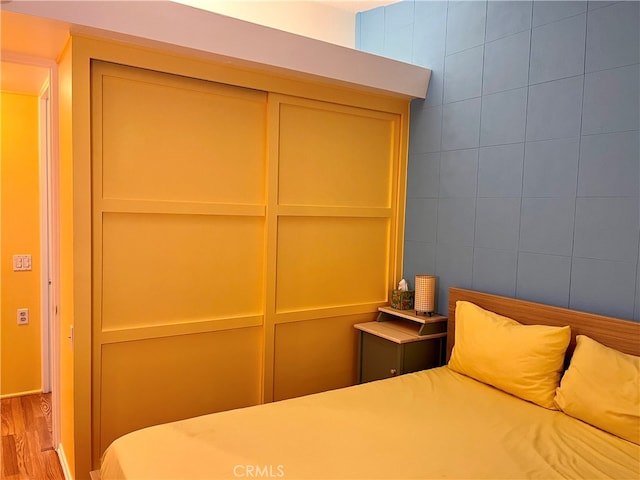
(21, 365)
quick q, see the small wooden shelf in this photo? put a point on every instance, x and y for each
(397, 331)
(429, 324)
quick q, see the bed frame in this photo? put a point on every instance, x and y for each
(623, 335)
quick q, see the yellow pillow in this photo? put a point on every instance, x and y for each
(523, 360)
(602, 387)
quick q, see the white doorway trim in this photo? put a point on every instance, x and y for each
(44, 141)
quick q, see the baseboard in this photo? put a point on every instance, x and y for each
(20, 394)
(63, 463)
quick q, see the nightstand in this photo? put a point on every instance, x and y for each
(393, 345)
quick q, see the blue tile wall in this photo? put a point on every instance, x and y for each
(461, 124)
(425, 128)
(524, 159)
(553, 109)
(398, 16)
(494, 270)
(425, 258)
(458, 173)
(398, 31)
(611, 99)
(507, 61)
(466, 22)
(593, 4)
(454, 268)
(503, 117)
(602, 287)
(372, 30)
(358, 22)
(557, 49)
(424, 211)
(423, 177)
(429, 33)
(609, 165)
(544, 278)
(552, 10)
(497, 223)
(463, 75)
(551, 168)
(398, 43)
(506, 18)
(607, 228)
(500, 171)
(613, 37)
(456, 221)
(546, 225)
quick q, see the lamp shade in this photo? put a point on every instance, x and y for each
(425, 296)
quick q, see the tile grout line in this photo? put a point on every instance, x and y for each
(577, 182)
(536, 84)
(524, 154)
(475, 206)
(564, 18)
(444, 56)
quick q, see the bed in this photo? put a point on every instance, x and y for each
(436, 423)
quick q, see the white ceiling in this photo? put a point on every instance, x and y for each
(43, 38)
(352, 6)
(356, 6)
(332, 21)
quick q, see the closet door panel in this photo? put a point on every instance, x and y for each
(332, 237)
(178, 248)
(163, 269)
(152, 381)
(175, 138)
(316, 355)
(335, 156)
(331, 262)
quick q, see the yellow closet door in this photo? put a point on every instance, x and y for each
(179, 220)
(335, 156)
(334, 245)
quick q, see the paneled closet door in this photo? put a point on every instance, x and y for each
(179, 175)
(333, 204)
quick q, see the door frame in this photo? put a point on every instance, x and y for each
(51, 241)
(46, 282)
(48, 133)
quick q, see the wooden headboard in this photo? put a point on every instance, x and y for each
(622, 335)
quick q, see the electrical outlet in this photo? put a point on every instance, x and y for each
(23, 316)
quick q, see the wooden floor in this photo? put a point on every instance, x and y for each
(27, 446)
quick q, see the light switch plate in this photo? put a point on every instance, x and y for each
(21, 263)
